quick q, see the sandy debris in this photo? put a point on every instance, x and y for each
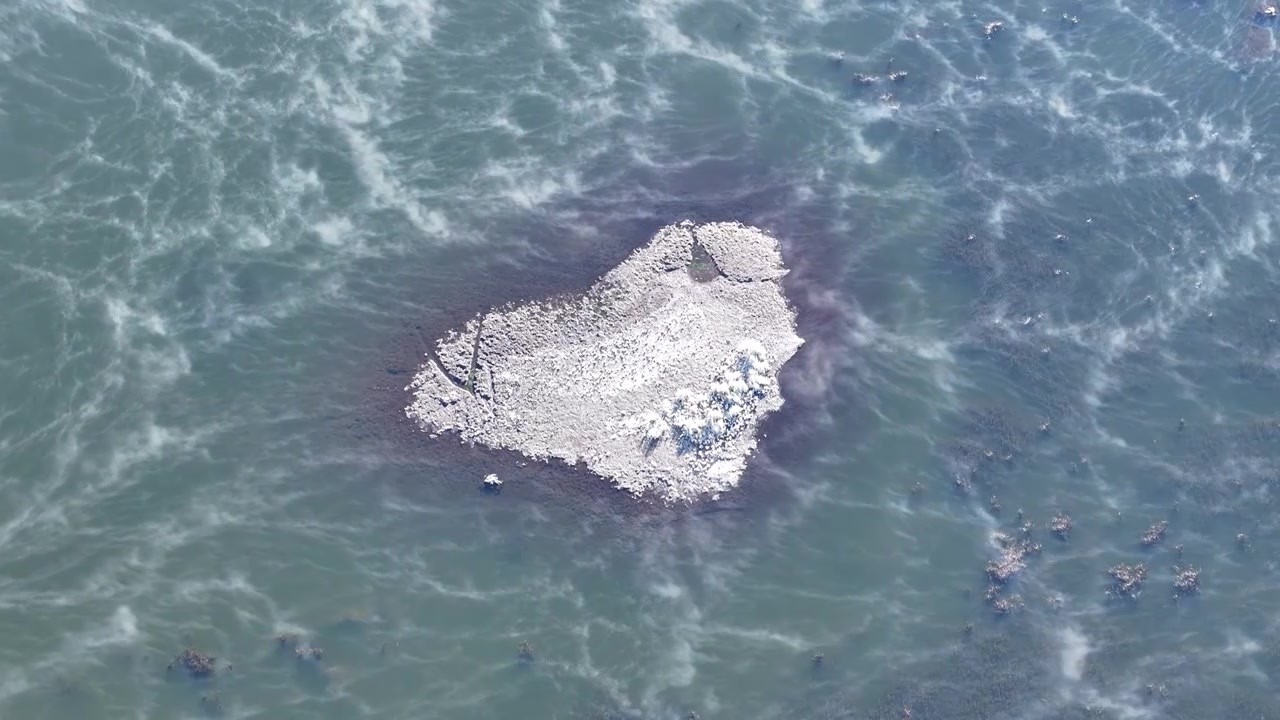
(652, 378)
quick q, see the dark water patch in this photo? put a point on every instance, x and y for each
(702, 267)
(968, 247)
(1027, 266)
(1004, 134)
(1037, 250)
(603, 709)
(1081, 711)
(1197, 700)
(1046, 374)
(934, 152)
(986, 446)
(1183, 684)
(996, 672)
(1233, 470)
(470, 385)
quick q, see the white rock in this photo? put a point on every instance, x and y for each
(650, 378)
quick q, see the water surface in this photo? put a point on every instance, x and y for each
(227, 227)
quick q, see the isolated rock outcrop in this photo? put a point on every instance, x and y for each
(656, 377)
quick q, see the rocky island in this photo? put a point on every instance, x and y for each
(656, 377)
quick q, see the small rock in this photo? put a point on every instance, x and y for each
(287, 640)
(307, 653)
(1127, 579)
(1012, 558)
(525, 652)
(898, 75)
(1186, 580)
(1060, 525)
(990, 29)
(491, 484)
(195, 663)
(1154, 690)
(1006, 605)
(994, 504)
(1154, 534)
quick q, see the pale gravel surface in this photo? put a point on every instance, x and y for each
(593, 379)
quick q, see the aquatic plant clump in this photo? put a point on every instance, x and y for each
(655, 378)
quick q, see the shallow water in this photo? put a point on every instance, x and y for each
(229, 227)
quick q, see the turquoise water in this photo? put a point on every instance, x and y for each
(228, 228)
